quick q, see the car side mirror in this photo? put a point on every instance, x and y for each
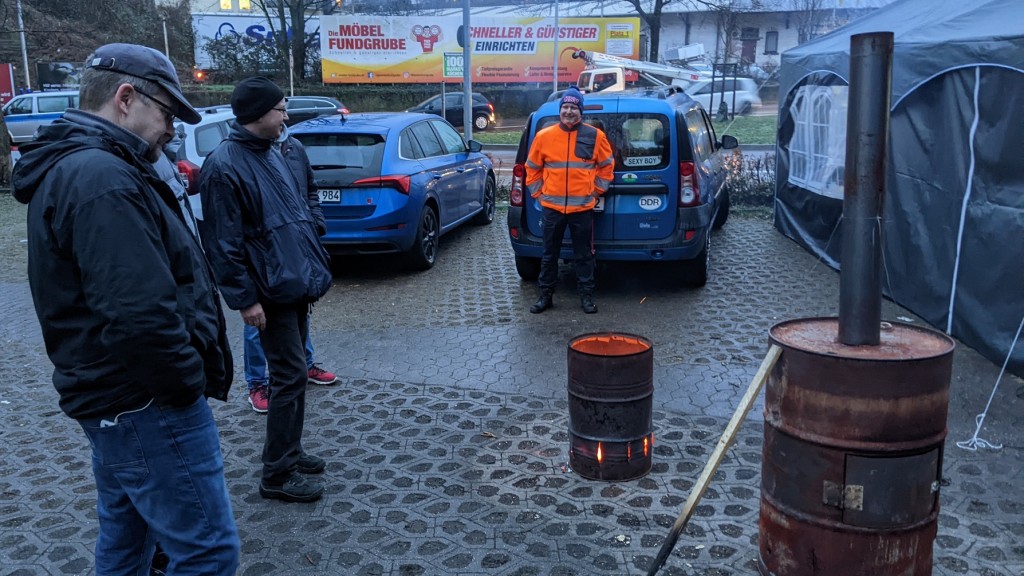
(475, 146)
(729, 142)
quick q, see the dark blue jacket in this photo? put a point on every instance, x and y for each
(257, 227)
(298, 162)
(124, 294)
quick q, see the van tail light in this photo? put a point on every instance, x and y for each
(516, 193)
(400, 183)
(190, 175)
(689, 189)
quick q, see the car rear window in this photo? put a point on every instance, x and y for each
(209, 137)
(356, 155)
(639, 141)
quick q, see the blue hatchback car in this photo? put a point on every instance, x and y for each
(396, 182)
(668, 192)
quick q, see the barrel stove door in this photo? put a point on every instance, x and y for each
(888, 492)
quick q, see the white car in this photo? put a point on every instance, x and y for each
(745, 90)
(198, 140)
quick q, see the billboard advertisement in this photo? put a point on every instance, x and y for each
(6, 83)
(59, 75)
(424, 49)
(254, 29)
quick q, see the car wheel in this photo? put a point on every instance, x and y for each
(745, 108)
(480, 122)
(486, 215)
(423, 253)
(528, 268)
(695, 272)
(723, 210)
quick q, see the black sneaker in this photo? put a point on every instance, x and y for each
(309, 464)
(297, 488)
(587, 303)
(542, 304)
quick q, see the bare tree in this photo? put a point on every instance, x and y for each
(729, 18)
(650, 12)
(810, 16)
(283, 15)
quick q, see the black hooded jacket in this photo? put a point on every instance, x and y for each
(124, 294)
(257, 226)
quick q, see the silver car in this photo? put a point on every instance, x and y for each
(25, 113)
(744, 89)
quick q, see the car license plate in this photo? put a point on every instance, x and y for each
(330, 196)
(599, 207)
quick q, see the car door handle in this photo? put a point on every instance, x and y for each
(436, 175)
(460, 169)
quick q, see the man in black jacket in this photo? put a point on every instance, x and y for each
(131, 316)
(265, 249)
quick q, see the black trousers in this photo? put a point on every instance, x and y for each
(581, 231)
(283, 342)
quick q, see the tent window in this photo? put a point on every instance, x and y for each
(771, 42)
(817, 148)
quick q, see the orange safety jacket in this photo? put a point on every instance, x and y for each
(567, 169)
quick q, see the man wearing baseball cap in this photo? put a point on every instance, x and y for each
(260, 233)
(569, 166)
(131, 316)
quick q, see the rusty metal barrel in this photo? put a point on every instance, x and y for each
(852, 456)
(611, 391)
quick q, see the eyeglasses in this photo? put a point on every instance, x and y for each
(282, 110)
(164, 108)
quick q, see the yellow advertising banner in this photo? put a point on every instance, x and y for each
(425, 49)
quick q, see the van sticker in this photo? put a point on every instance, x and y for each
(629, 178)
(642, 160)
(650, 202)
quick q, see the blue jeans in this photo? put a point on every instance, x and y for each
(160, 478)
(255, 361)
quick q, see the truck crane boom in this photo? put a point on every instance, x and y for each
(608, 72)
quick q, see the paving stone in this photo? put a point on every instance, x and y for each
(447, 436)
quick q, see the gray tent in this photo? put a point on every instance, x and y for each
(954, 210)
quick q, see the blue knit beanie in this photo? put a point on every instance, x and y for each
(572, 96)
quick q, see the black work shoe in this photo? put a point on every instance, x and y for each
(541, 305)
(309, 464)
(587, 303)
(297, 488)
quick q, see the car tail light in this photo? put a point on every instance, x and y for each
(343, 111)
(400, 183)
(190, 175)
(516, 193)
(689, 189)
(490, 107)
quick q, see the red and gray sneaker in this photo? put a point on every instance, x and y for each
(318, 375)
(259, 398)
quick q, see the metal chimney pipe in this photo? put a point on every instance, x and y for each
(867, 136)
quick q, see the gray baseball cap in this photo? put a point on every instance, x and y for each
(148, 64)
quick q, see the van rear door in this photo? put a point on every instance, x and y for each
(642, 199)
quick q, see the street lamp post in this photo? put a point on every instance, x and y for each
(555, 89)
(167, 50)
(24, 52)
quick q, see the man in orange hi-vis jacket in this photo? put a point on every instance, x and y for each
(570, 165)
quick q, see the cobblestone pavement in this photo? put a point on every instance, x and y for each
(447, 436)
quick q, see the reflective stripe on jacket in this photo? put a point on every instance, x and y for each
(568, 168)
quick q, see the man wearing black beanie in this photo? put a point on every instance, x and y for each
(262, 241)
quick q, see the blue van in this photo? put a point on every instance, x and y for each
(669, 187)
